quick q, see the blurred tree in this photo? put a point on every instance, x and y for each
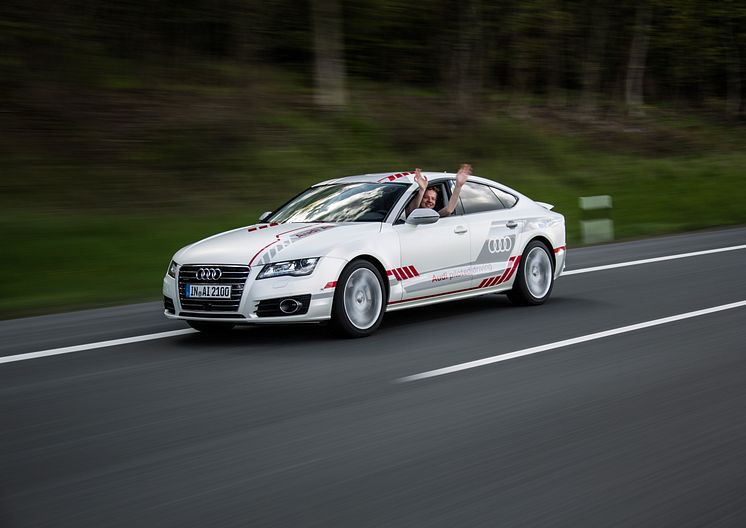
(466, 71)
(593, 57)
(557, 22)
(733, 18)
(329, 66)
(634, 98)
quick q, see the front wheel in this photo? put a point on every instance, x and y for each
(359, 300)
(535, 278)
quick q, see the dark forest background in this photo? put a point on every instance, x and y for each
(683, 52)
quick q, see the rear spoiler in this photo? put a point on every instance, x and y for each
(546, 205)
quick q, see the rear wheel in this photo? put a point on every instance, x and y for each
(359, 300)
(535, 278)
(211, 328)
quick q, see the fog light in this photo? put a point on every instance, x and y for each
(289, 306)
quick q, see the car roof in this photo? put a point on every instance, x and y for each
(378, 177)
(407, 177)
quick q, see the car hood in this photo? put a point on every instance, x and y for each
(264, 243)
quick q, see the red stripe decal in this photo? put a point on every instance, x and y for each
(393, 177)
(296, 229)
(414, 271)
(406, 271)
(515, 267)
(502, 277)
(265, 226)
(258, 252)
(484, 281)
(252, 229)
(389, 273)
(396, 274)
(277, 237)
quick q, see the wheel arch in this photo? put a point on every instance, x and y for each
(544, 240)
(379, 266)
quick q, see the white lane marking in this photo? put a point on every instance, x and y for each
(91, 346)
(567, 342)
(654, 259)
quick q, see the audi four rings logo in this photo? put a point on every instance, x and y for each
(209, 273)
(500, 245)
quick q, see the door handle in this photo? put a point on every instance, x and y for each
(460, 230)
(512, 224)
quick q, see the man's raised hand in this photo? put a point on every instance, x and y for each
(420, 178)
(463, 174)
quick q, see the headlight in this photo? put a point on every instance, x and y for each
(294, 268)
(172, 269)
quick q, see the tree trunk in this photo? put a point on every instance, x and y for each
(247, 23)
(518, 69)
(467, 70)
(591, 80)
(733, 75)
(556, 35)
(329, 67)
(637, 57)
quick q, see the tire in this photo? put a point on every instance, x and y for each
(535, 278)
(211, 328)
(359, 300)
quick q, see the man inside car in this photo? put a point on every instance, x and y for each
(428, 197)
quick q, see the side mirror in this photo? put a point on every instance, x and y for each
(423, 216)
(265, 215)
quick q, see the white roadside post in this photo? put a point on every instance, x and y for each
(596, 226)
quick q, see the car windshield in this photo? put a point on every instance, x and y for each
(347, 202)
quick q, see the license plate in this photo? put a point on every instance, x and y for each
(208, 291)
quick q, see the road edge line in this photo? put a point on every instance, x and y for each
(651, 260)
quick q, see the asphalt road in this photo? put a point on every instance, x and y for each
(284, 426)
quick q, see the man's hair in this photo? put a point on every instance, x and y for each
(437, 191)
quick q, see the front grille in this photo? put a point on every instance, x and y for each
(234, 275)
(271, 307)
(168, 304)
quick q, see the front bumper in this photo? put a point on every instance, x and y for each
(319, 285)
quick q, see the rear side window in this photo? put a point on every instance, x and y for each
(507, 199)
(477, 198)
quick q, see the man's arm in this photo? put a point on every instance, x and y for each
(421, 180)
(463, 174)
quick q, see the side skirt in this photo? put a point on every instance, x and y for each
(445, 297)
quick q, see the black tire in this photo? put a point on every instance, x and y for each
(535, 276)
(359, 300)
(211, 328)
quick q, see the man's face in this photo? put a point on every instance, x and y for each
(428, 199)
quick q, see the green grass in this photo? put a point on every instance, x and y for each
(219, 165)
(56, 262)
